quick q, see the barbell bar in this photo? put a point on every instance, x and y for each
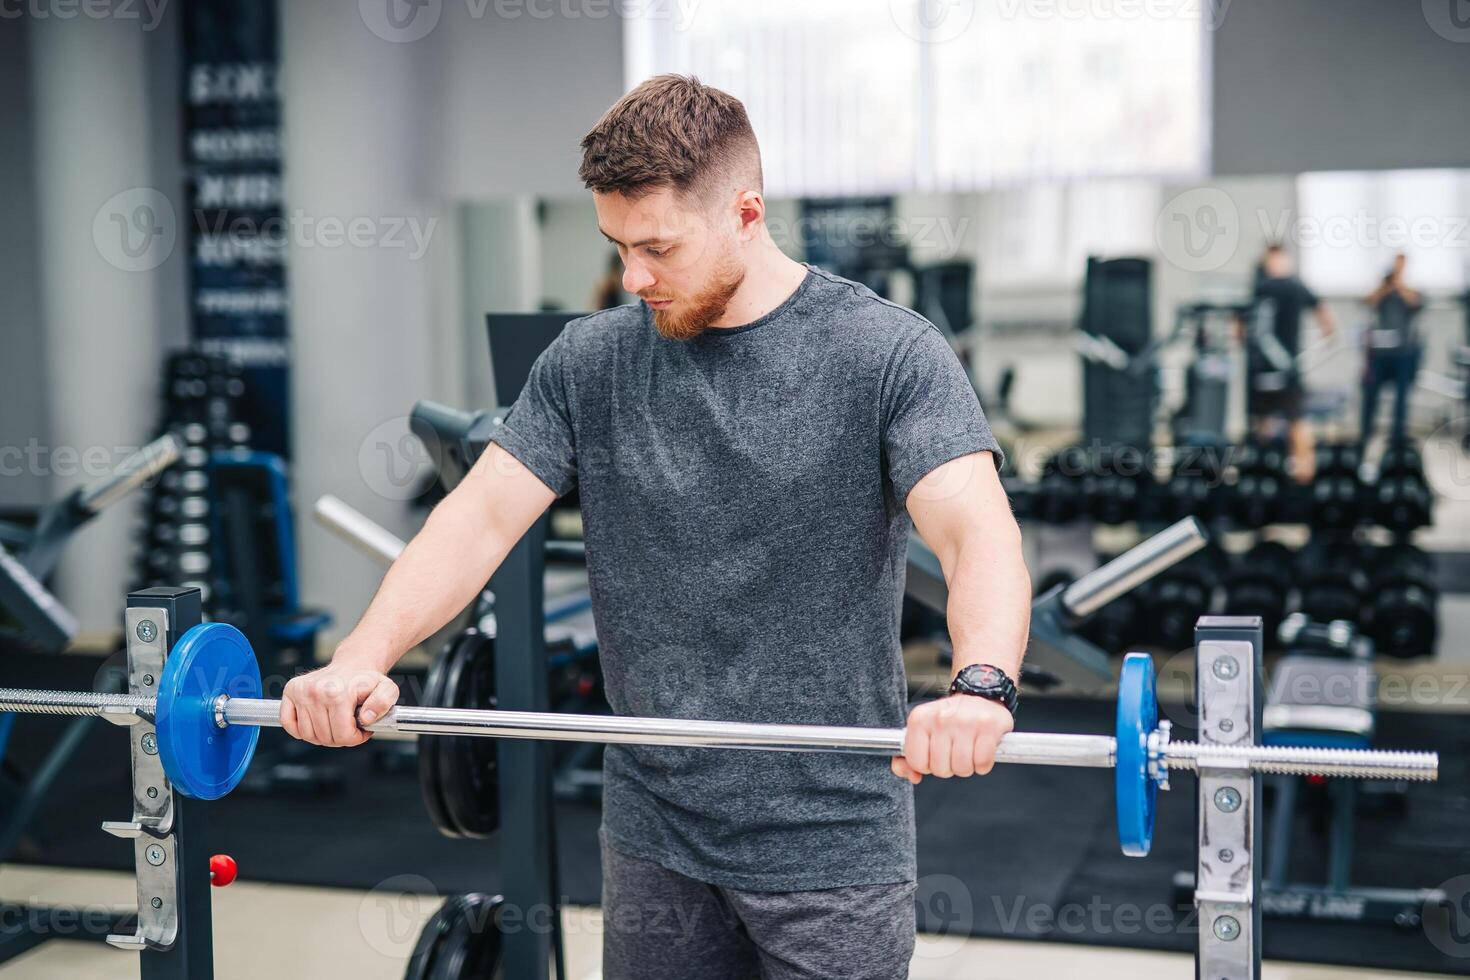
(208, 715)
(131, 473)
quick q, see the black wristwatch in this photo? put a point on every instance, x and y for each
(989, 682)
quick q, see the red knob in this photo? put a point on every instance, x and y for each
(222, 870)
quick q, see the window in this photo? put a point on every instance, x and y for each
(885, 96)
(1349, 226)
(1042, 234)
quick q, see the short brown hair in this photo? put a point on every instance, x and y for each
(670, 131)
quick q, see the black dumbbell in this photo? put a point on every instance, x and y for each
(1115, 627)
(1332, 580)
(1176, 598)
(1300, 636)
(1114, 484)
(1194, 485)
(1260, 483)
(1403, 619)
(1059, 491)
(1336, 491)
(1259, 584)
(1022, 496)
(1401, 498)
(1052, 579)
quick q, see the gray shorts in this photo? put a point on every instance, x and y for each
(660, 925)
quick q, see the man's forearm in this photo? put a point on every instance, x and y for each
(989, 608)
(440, 572)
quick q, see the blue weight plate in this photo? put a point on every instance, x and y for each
(1138, 716)
(201, 759)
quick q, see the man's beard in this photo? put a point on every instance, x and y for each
(705, 307)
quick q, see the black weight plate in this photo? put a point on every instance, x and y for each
(1405, 623)
(471, 947)
(426, 949)
(468, 766)
(430, 747)
(453, 948)
(469, 791)
(447, 765)
(487, 950)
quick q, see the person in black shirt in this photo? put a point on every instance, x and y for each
(1393, 350)
(1274, 395)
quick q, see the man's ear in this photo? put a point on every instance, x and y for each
(750, 211)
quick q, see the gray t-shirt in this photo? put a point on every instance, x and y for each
(743, 504)
(1396, 322)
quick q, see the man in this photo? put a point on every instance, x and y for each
(749, 442)
(1393, 351)
(1275, 385)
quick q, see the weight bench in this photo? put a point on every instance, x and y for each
(1325, 691)
(1324, 695)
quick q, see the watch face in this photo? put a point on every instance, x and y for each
(987, 676)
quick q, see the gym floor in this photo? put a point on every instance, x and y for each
(262, 930)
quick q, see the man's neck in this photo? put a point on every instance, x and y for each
(769, 281)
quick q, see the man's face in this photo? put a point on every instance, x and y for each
(1278, 264)
(679, 257)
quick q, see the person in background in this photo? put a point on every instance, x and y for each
(1393, 349)
(609, 292)
(1275, 393)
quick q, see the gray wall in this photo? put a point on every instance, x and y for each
(520, 91)
(23, 409)
(574, 255)
(364, 322)
(502, 274)
(1339, 85)
(102, 121)
(457, 127)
